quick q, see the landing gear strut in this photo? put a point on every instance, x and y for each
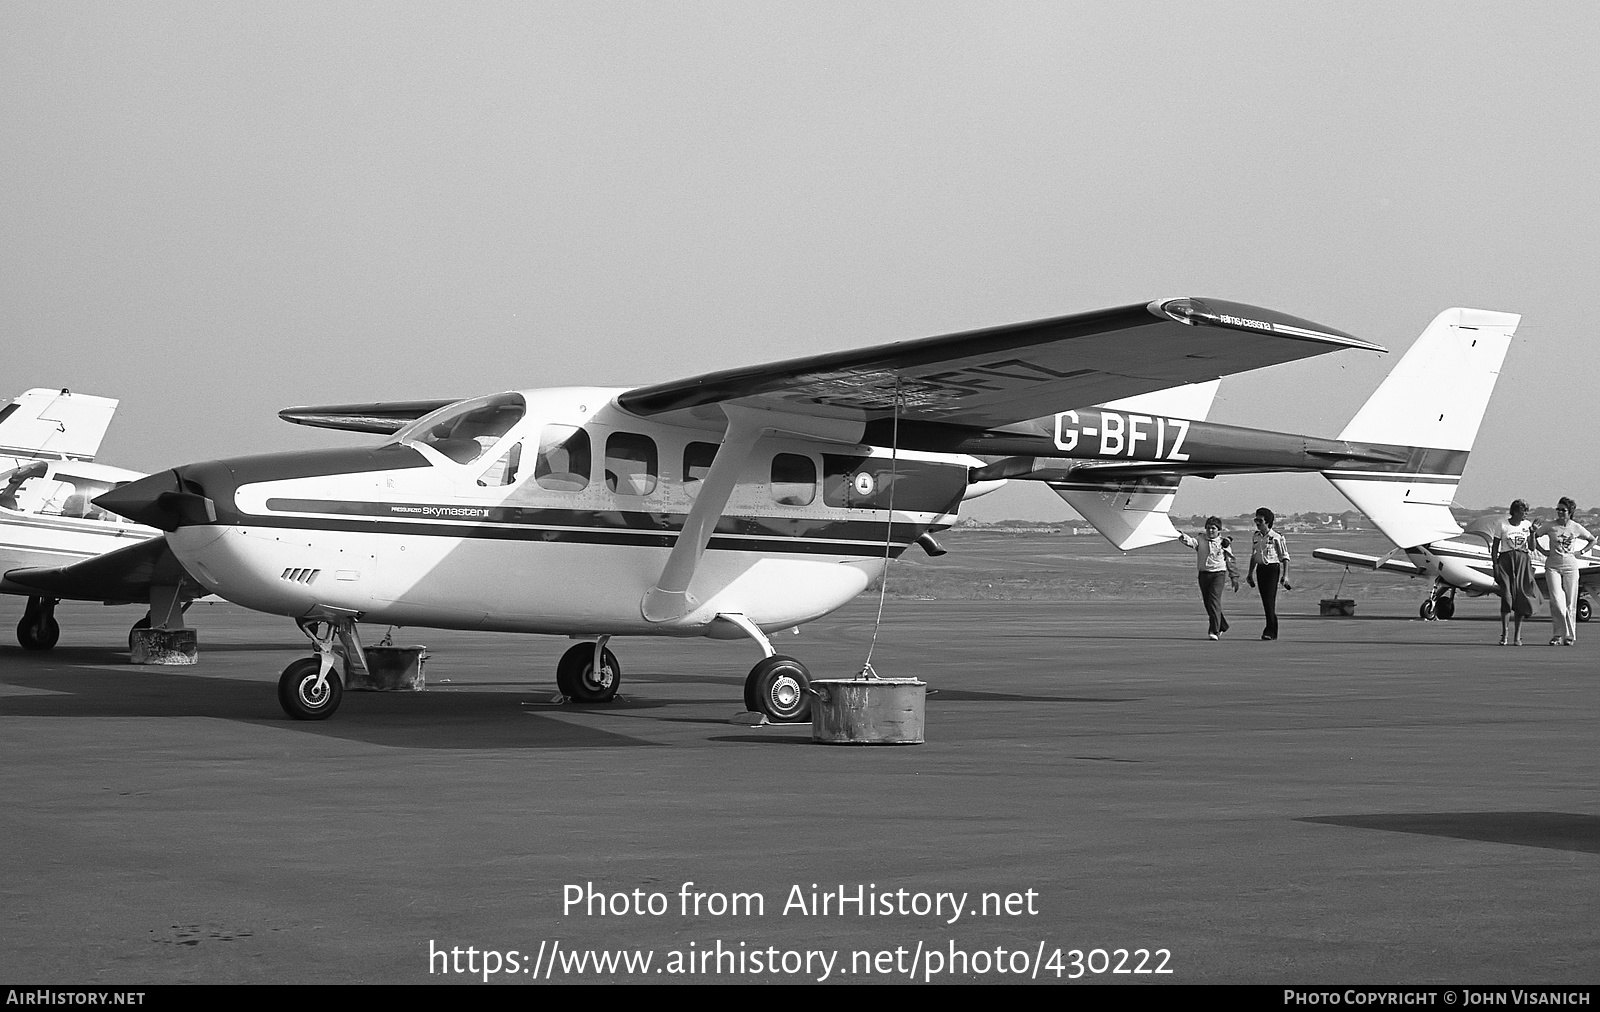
(39, 629)
(309, 689)
(778, 687)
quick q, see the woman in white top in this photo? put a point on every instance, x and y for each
(1214, 557)
(1513, 571)
(1561, 570)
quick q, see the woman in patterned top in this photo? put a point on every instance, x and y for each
(1269, 563)
(1508, 553)
(1561, 570)
(1214, 557)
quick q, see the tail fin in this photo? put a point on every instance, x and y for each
(55, 424)
(1132, 512)
(1433, 402)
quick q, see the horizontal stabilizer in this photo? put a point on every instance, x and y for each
(1129, 514)
(1385, 564)
(382, 417)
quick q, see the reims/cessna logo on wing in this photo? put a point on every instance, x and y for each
(1117, 435)
(1239, 321)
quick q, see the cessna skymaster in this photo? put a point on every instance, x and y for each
(728, 505)
(1436, 397)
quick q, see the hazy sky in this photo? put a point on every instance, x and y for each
(213, 211)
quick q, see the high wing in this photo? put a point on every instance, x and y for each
(1386, 564)
(122, 576)
(972, 381)
(1002, 375)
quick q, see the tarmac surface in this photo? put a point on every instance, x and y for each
(1367, 800)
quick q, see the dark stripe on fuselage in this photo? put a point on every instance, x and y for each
(636, 521)
(773, 541)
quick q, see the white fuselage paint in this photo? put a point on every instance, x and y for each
(577, 568)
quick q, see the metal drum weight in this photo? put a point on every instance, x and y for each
(868, 711)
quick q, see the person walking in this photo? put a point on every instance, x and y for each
(1269, 568)
(1509, 542)
(1214, 557)
(1561, 570)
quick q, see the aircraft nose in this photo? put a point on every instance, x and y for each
(167, 501)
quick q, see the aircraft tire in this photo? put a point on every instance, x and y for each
(575, 675)
(297, 695)
(1584, 609)
(780, 688)
(1427, 610)
(38, 632)
(1445, 609)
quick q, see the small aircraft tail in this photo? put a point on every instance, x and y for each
(1132, 512)
(55, 424)
(1432, 403)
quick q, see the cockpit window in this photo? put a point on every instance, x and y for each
(504, 471)
(465, 431)
(30, 489)
(13, 482)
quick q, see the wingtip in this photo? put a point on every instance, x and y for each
(1193, 312)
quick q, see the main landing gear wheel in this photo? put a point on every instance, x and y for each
(1445, 609)
(1427, 610)
(780, 688)
(1584, 609)
(579, 682)
(38, 629)
(302, 697)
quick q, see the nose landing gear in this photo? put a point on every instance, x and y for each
(310, 689)
(1441, 604)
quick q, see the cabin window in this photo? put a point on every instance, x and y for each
(631, 464)
(30, 489)
(794, 480)
(504, 471)
(563, 459)
(697, 458)
(464, 432)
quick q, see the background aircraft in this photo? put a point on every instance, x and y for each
(48, 441)
(48, 424)
(1439, 406)
(727, 505)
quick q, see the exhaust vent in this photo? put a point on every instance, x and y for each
(304, 576)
